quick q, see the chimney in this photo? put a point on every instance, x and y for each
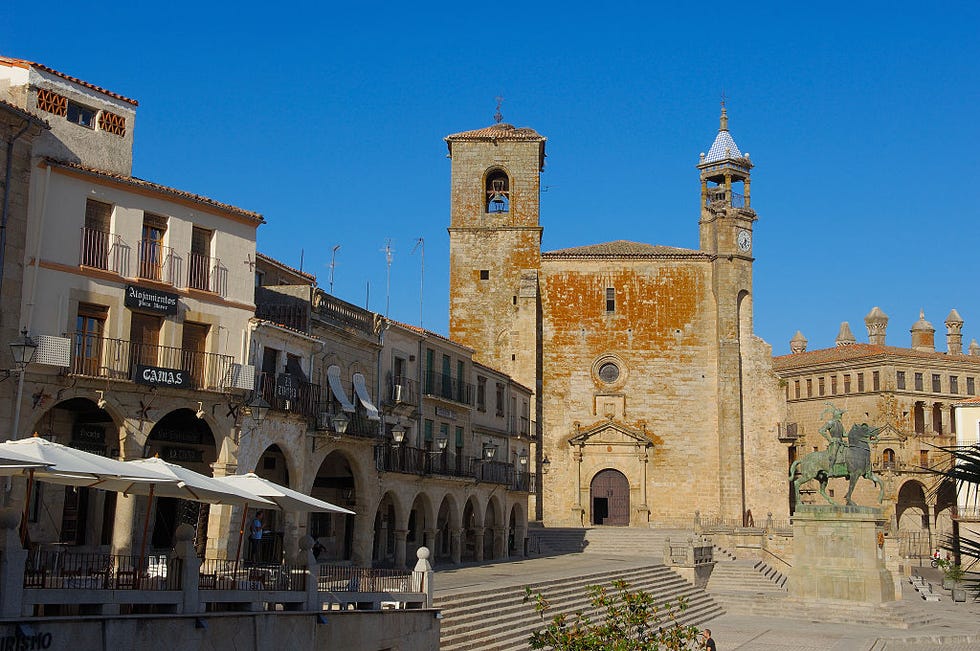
(954, 333)
(877, 323)
(923, 335)
(797, 344)
(845, 337)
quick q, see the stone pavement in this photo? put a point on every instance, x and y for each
(956, 626)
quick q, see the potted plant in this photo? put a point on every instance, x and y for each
(953, 580)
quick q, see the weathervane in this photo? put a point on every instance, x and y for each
(723, 98)
(498, 116)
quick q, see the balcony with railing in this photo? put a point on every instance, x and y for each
(100, 250)
(156, 262)
(199, 268)
(289, 394)
(420, 461)
(403, 391)
(441, 385)
(119, 359)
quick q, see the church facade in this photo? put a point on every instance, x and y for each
(653, 399)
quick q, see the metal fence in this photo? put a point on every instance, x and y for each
(343, 578)
(224, 574)
(74, 571)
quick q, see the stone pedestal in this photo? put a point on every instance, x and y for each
(836, 555)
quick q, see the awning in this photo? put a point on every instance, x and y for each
(360, 388)
(333, 377)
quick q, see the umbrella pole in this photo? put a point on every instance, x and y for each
(146, 527)
(27, 506)
(241, 535)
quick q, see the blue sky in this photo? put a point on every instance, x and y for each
(863, 120)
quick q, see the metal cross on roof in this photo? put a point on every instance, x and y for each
(498, 116)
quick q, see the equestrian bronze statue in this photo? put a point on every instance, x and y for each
(851, 460)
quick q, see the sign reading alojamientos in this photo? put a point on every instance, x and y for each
(152, 300)
(162, 377)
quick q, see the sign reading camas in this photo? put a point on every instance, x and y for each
(150, 300)
(162, 377)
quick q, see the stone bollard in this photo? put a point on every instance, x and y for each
(308, 560)
(668, 559)
(190, 569)
(13, 557)
(422, 575)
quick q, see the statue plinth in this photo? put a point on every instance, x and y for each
(837, 554)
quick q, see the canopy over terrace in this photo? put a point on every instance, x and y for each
(284, 498)
(59, 464)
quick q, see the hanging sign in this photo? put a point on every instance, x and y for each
(162, 377)
(150, 300)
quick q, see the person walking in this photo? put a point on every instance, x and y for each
(256, 529)
(709, 643)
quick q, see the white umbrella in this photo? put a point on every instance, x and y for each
(60, 464)
(186, 484)
(285, 498)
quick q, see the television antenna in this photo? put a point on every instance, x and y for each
(420, 246)
(388, 253)
(333, 265)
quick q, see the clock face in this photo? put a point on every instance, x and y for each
(744, 240)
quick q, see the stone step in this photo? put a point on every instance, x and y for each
(498, 619)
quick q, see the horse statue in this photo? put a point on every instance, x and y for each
(823, 465)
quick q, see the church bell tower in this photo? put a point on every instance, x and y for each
(495, 246)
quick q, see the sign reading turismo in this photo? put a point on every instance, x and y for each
(162, 377)
(151, 300)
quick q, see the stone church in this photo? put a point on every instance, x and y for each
(653, 399)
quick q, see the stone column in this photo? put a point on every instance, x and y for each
(13, 557)
(225, 531)
(306, 559)
(478, 547)
(190, 569)
(401, 544)
(456, 546)
(520, 533)
(123, 536)
(363, 540)
(499, 543)
(429, 539)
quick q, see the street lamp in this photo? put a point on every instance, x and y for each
(397, 435)
(489, 450)
(23, 351)
(340, 423)
(257, 408)
(545, 465)
(522, 459)
(441, 443)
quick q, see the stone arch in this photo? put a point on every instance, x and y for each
(497, 190)
(912, 516)
(472, 530)
(77, 516)
(336, 481)
(420, 528)
(516, 530)
(494, 529)
(448, 524)
(389, 517)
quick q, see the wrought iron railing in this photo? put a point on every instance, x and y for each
(286, 393)
(420, 461)
(199, 271)
(74, 571)
(342, 578)
(99, 249)
(224, 574)
(156, 261)
(403, 390)
(120, 359)
(447, 387)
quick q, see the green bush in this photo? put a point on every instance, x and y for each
(616, 620)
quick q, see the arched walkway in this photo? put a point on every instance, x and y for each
(914, 526)
(447, 540)
(334, 483)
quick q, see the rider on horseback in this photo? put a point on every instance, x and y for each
(833, 431)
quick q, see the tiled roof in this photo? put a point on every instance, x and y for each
(285, 266)
(135, 182)
(260, 321)
(428, 333)
(856, 352)
(968, 402)
(722, 148)
(24, 115)
(499, 131)
(622, 249)
(22, 63)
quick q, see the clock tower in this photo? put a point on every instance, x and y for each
(726, 236)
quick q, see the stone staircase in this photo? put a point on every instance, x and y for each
(613, 541)
(742, 584)
(499, 620)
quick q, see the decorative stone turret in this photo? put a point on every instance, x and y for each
(797, 344)
(974, 348)
(954, 333)
(845, 337)
(877, 324)
(923, 335)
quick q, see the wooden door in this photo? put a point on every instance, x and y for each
(144, 337)
(610, 498)
(192, 346)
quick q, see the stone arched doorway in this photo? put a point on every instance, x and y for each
(334, 483)
(609, 498)
(183, 439)
(914, 526)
